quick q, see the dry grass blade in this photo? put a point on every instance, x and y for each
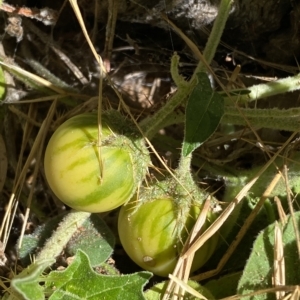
(163, 163)
(196, 52)
(187, 288)
(183, 267)
(3, 258)
(3, 163)
(86, 35)
(102, 74)
(75, 111)
(234, 77)
(188, 41)
(56, 49)
(44, 129)
(13, 202)
(191, 246)
(33, 77)
(279, 263)
(242, 231)
(76, 71)
(295, 295)
(195, 245)
(280, 210)
(29, 119)
(226, 213)
(40, 99)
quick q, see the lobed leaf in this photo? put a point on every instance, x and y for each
(79, 281)
(26, 284)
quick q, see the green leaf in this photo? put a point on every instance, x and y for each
(79, 281)
(224, 286)
(204, 111)
(259, 269)
(93, 237)
(26, 284)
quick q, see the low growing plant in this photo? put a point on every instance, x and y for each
(170, 225)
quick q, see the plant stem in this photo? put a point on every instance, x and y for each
(283, 123)
(166, 115)
(287, 119)
(67, 227)
(264, 90)
(271, 113)
(215, 35)
(151, 125)
(267, 118)
(184, 165)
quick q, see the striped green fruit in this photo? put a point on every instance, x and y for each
(150, 238)
(72, 164)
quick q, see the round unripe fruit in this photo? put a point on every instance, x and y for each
(83, 181)
(150, 238)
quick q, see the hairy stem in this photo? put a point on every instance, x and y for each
(280, 119)
(152, 124)
(264, 90)
(66, 228)
(215, 35)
